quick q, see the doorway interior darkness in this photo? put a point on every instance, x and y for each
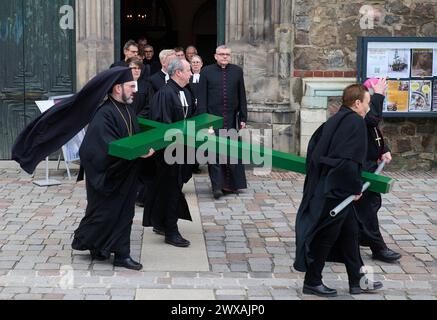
(171, 23)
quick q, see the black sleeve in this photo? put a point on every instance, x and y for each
(242, 107)
(202, 99)
(345, 158)
(374, 117)
(102, 169)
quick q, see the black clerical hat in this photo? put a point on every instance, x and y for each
(51, 130)
(124, 76)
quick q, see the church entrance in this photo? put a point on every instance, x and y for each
(170, 23)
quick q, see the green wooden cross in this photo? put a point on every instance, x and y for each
(153, 137)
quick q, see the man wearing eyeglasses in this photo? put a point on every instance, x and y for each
(222, 93)
(130, 51)
(149, 59)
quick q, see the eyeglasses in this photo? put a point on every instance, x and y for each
(148, 51)
(224, 54)
(134, 51)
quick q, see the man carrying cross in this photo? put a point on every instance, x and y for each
(167, 204)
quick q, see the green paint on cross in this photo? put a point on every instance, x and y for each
(153, 137)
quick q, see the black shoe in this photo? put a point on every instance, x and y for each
(217, 194)
(128, 263)
(96, 255)
(386, 255)
(321, 290)
(368, 286)
(158, 231)
(177, 241)
(197, 171)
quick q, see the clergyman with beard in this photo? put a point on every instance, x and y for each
(111, 182)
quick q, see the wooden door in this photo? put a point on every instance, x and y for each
(37, 60)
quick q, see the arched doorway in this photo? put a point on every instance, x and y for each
(169, 23)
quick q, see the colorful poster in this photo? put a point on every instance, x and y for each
(422, 63)
(398, 63)
(397, 96)
(420, 95)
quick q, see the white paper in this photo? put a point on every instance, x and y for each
(377, 66)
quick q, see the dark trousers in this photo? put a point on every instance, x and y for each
(166, 206)
(367, 214)
(344, 233)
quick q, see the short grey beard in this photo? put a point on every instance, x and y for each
(125, 99)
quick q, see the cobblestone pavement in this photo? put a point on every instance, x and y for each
(250, 243)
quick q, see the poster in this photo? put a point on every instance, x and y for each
(71, 149)
(422, 63)
(377, 63)
(398, 63)
(392, 63)
(420, 95)
(397, 96)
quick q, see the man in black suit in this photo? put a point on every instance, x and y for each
(159, 79)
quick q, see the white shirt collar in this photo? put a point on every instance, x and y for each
(196, 78)
(183, 99)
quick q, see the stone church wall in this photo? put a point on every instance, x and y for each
(325, 41)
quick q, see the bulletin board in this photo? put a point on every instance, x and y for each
(410, 65)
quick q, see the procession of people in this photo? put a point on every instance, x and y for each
(177, 88)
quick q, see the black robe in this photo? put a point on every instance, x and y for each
(336, 153)
(369, 205)
(157, 81)
(58, 125)
(154, 64)
(194, 88)
(110, 184)
(166, 197)
(222, 93)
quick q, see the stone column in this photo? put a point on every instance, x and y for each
(94, 38)
(260, 33)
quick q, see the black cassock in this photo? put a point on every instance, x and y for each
(335, 157)
(110, 183)
(369, 205)
(157, 81)
(166, 203)
(222, 93)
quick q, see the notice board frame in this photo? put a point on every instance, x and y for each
(362, 50)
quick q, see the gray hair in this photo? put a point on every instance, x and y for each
(198, 57)
(175, 65)
(129, 44)
(165, 53)
(223, 47)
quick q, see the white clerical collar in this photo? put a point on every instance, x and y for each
(196, 78)
(183, 99)
(167, 77)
